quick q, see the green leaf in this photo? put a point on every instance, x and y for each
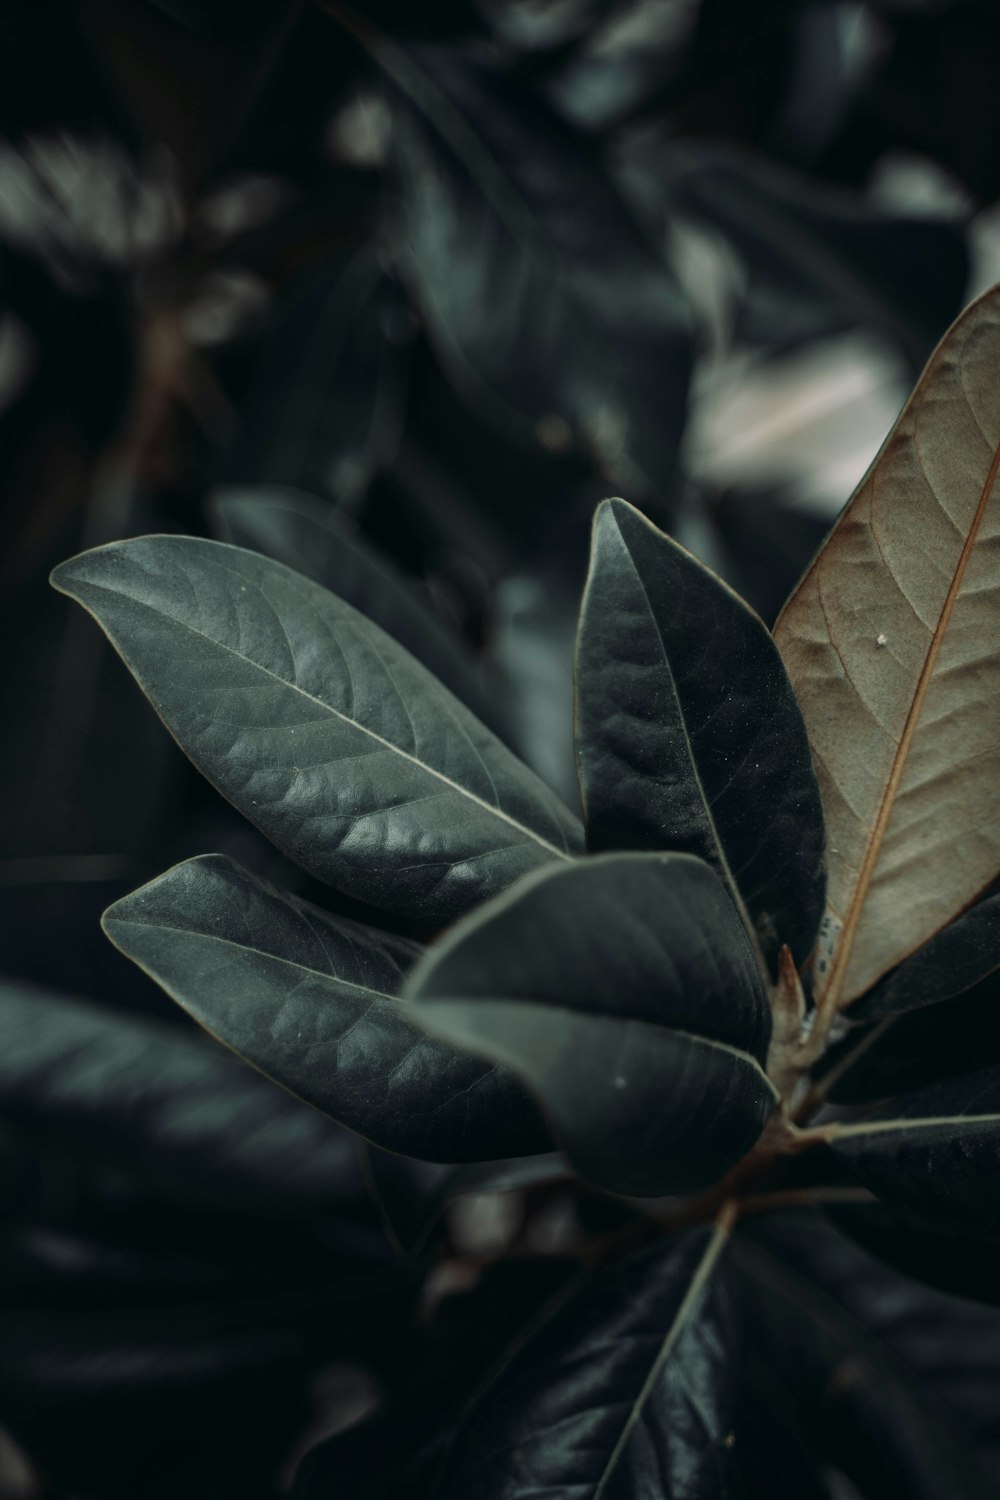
(628, 1391)
(319, 727)
(310, 1000)
(688, 733)
(964, 953)
(587, 340)
(934, 1153)
(624, 990)
(889, 642)
(315, 539)
(155, 1095)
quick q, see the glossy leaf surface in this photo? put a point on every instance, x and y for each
(311, 1000)
(688, 733)
(951, 964)
(319, 727)
(629, 1391)
(890, 641)
(624, 990)
(314, 539)
(585, 339)
(935, 1153)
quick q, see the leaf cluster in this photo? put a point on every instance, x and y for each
(785, 846)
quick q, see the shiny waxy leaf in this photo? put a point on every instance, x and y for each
(688, 733)
(319, 727)
(624, 990)
(935, 1153)
(890, 643)
(310, 1000)
(313, 538)
(628, 1391)
(957, 958)
(543, 296)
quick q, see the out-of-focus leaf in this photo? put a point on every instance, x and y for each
(629, 1390)
(919, 1048)
(143, 1091)
(887, 641)
(631, 53)
(326, 408)
(412, 1195)
(100, 1353)
(775, 1448)
(319, 727)
(625, 991)
(934, 1153)
(959, 957)
(503, 208)
(688, 733)
(396, 1453)
(311, 1000)
(894, 1380)
(815, 260)
(315, 540)
(532, 27)
(532, 634)
(903, 1242)
(68, 896)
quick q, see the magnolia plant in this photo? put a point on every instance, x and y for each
(691, 986)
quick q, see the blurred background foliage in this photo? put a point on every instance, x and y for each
(396, 293)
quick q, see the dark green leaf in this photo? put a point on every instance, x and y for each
(140, 1091)
(502, 208)
(872, 1360)
(935, 1153)
(688, 733)
(319, 727)
(310, 1000)
(629, 1391)
(961, 955)
(314, 539)
(625, 991)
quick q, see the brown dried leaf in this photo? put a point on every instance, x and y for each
(892, 643)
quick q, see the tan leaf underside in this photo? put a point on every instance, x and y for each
(892, 643)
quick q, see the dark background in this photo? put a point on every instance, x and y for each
(460, 271)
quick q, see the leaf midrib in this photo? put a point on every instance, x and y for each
(727, 873)
(900, 1126)
(250, 948)
(838, 970)
(429, 770)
